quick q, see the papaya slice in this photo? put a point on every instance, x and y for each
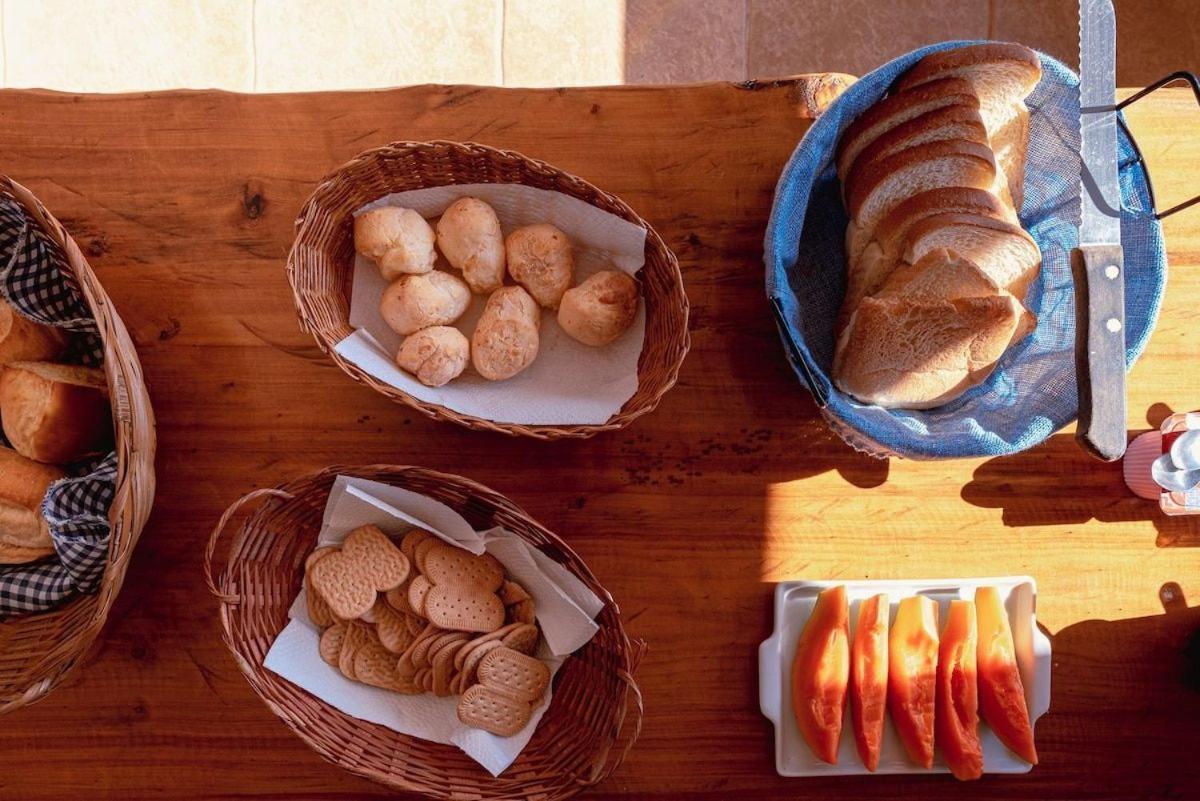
(1001, 694)
(912, 676)
(820, 673)
(869, 678)
(957, 706)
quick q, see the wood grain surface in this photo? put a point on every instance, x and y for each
(185, 202)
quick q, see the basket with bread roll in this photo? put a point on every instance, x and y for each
(76, 450)
(485, 288)
(918, 253)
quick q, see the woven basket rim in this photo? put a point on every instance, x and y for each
(675, 303)
(249, 649)
(135, 444)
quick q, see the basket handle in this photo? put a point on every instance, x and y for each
(215, 536)
(608, 763)
(1182, 75)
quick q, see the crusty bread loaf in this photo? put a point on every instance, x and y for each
(24, 340)
(937, 260)
(1001, 249)
(55, 413)
(23, 485)
(895, 110)
(919, 354)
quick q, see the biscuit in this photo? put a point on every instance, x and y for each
(318, 611)
(512, 593)
(470, 668)
(483, 708)
(330, 646)
(349, 579)
(411, 540)
(391, 628)
(523, 637)
(422, 548)
(357, 635)
(418, 589)
(522, 612)
(463, 608)
(444, 564)
(515, 674)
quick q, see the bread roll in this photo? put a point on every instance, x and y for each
(435, 355)
(24, 535)
(23, 340)
(398, 240)
(418, 301)
(55, 413)
(600, 309)
(540, 258)
(469, 237)
(506, 339)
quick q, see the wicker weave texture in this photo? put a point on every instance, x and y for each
(38, 652)
(593, 720)
(320, 265)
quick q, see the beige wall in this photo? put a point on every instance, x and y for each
(296, 45)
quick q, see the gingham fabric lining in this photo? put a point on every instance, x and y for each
(35, 280)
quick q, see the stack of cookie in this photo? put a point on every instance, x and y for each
(426, 616)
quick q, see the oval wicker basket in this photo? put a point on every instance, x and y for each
(37, 652)
(321, 265)
(593, 720)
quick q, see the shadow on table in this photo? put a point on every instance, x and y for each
(1125, 702)
(1079, 488)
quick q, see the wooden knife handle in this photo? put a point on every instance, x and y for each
(1100, 348)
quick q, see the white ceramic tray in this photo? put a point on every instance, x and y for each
(794, 602)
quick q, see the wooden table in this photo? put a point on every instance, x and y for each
(184, 202)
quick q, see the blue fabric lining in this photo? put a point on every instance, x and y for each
(1032, 392)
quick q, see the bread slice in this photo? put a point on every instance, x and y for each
(893, 228)
(891, 181)
(24, 340)
(999, 72)
(1002, 75)
(940, 275)
(1003, 250)
(895, 110)
(919, 354)
(55, 413)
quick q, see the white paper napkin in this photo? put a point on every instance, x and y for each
(569, 383)
(566, 609)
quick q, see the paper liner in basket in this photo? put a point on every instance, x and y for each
(565, 611)
(569, 383)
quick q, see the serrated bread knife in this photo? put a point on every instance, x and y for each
(1098, 263)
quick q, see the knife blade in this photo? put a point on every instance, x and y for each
(1098, 263)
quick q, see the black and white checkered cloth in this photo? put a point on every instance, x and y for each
(35, 280)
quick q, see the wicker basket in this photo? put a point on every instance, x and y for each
(38, 652)
(596, 712)
(320, 266)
